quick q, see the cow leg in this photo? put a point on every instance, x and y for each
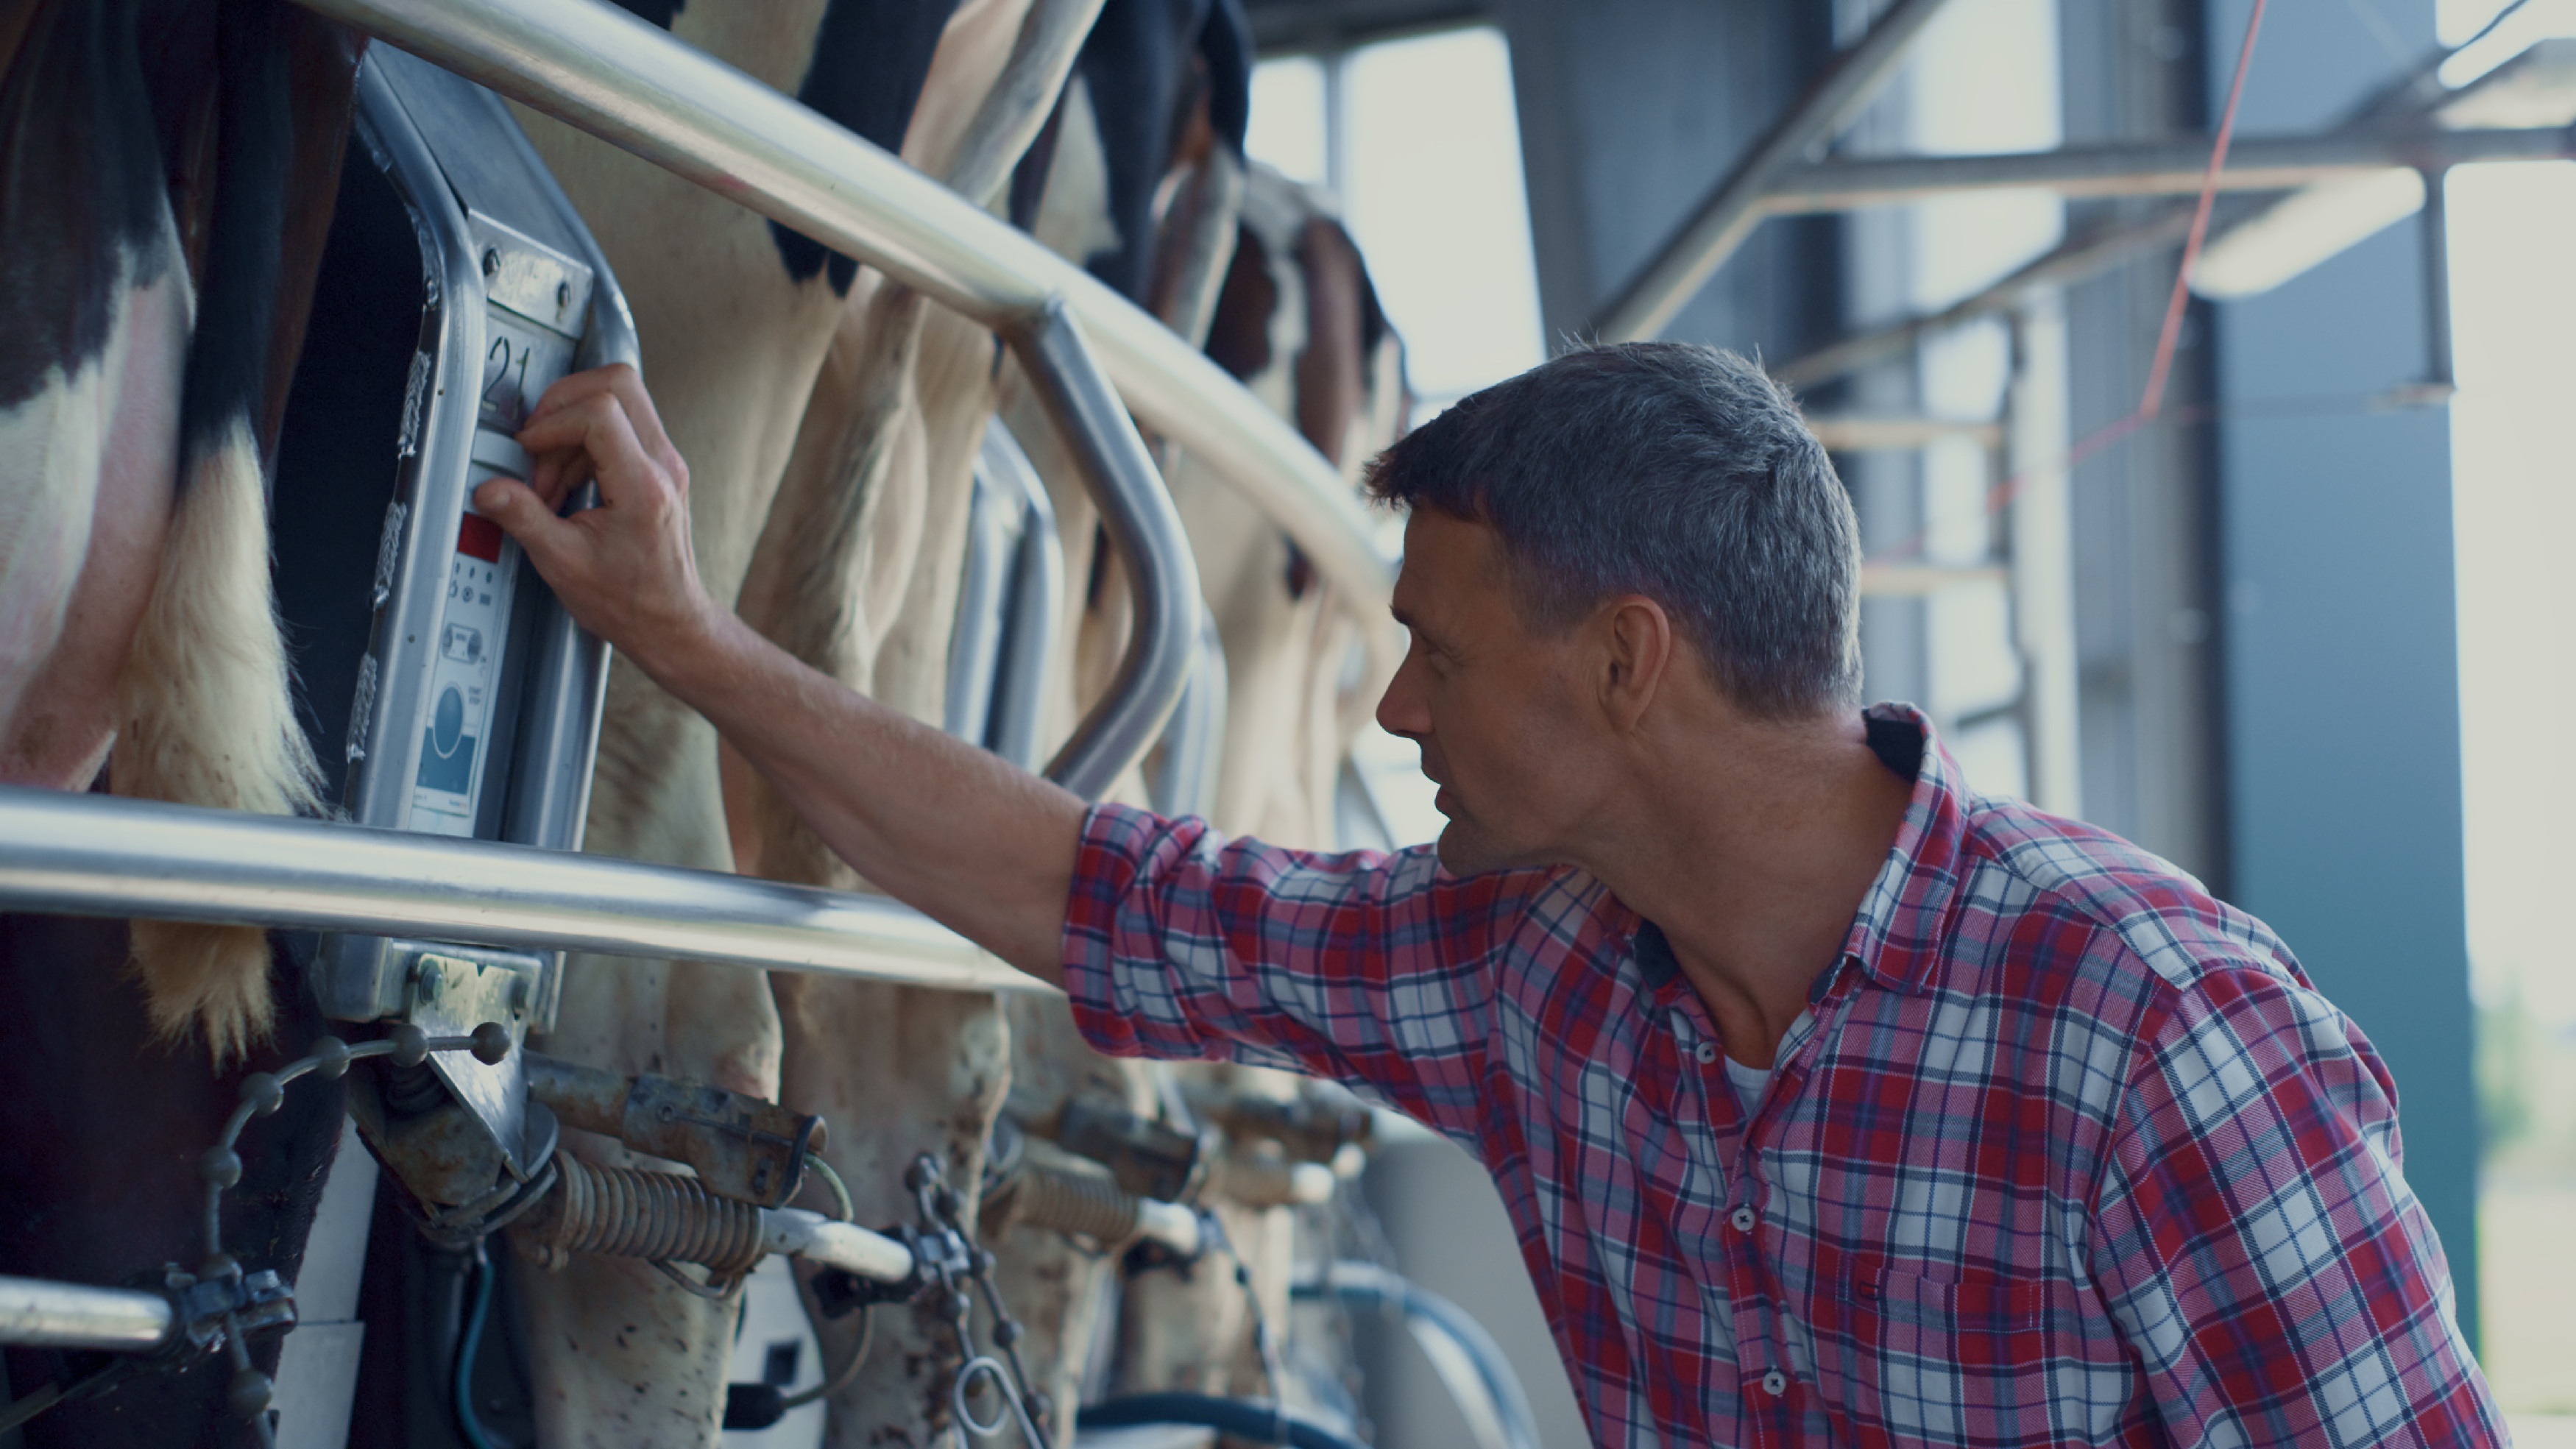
(112, 1193)
(910, 1071)
(898, 1072)
(1055, 1286)
(85, 468)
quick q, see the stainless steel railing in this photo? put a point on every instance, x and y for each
(36, 1313)
(604, 71)
(99, 855)
(598, 68)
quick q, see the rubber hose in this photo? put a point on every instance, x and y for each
(661, 1217)
(469, 1346)
(1256, 1421)
(1367, 1284)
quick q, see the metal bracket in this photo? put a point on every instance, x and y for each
(449, 991)
(261, 1300)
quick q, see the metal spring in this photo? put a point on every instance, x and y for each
(412, 1090)
(659, 1216)
(1068, 1202)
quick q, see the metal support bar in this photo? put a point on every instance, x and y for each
(2077, 259)
(1864, 433)
(1153, 549)
(2434, 222)
(39, 1313)
(598, 68)
(97, 855)
(1899, 580)
(1729, 214)
(1185, 779)
(2153, 168)
(2042, 567)
(1037, 603)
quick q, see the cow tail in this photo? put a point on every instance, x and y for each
(205, 706)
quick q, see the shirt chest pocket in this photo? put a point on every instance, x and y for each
(1973, 1357)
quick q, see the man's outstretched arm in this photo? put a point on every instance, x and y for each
(972, 841)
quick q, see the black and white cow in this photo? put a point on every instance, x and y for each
(167, 169)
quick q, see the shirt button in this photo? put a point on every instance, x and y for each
(1775, 1383)
(1706, 1052)
(1743, 1220)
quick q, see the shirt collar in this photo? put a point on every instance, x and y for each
(1896, 937)
(1903, 919)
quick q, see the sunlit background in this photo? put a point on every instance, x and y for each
(1418, 140)
(2513, 296)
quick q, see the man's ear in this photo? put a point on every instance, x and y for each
(1639, 646)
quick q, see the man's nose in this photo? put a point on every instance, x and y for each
(1402, 711)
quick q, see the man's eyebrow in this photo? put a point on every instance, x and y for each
(1424, 636)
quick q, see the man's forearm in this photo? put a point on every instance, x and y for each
(980, 846)
(974, 842)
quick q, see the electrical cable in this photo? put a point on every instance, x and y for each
(469, 1344)
(849, 1372)
(832, 1181)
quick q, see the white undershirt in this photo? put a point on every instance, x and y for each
(1749, 1082)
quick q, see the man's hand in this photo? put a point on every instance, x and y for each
(981, 846)
(625, 568)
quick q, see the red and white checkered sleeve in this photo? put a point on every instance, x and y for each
(1371, 970)
(2257, 1242)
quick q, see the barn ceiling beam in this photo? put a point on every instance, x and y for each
(2085, 255)
(1649, 302)
(1890, 432)
(2153, 168)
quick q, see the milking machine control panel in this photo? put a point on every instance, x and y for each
(474, 711)
(532, 293)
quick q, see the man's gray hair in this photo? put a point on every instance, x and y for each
(1677, 472)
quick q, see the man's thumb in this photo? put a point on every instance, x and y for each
(524, 516)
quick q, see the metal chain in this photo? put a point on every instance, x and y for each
(948, 1265)
(220, 1305)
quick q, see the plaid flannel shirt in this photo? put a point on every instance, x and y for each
(2067, 1153)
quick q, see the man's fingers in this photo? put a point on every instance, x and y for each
(572, 387)
(627, 385)
(526, 517)
(596, 425)
(558, 473)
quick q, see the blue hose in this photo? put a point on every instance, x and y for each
(1256, 1420)
(468, 1345)
(1431, 1316)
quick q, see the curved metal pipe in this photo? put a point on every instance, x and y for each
(1036, 609)
(1185, 781)
(97, 855)
(1162, 576)
(40, 1313)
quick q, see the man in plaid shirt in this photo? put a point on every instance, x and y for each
(1832, 1102)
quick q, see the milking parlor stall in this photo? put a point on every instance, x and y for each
(418, 1029)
